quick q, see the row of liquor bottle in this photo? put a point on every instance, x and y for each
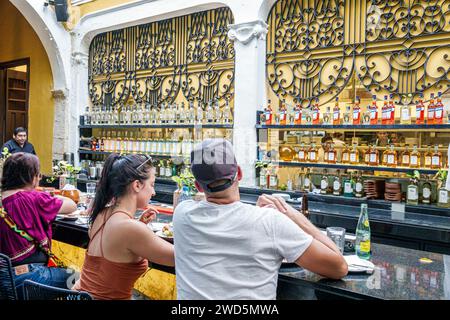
(166, 114)
(350, 186)
(390, 157)
(356, 116)
(140, 143)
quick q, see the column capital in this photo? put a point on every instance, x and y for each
(80, 58)
(245, 32)
(60, 94)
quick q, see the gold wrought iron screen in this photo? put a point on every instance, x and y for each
(314, 48)
(188, 56)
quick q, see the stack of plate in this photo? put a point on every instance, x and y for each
(373, 189)
(393, 192)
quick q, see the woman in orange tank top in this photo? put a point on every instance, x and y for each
(120, 245)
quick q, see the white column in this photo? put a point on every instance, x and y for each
(250, 49)
(60, 133)
(79, 98)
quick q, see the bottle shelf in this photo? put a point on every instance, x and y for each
(155, 155)
(158, 126)
(353, 167)
(379, 127)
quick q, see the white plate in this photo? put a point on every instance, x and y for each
(67, 218)
(356, 264)
(156, 226)
(162, 235)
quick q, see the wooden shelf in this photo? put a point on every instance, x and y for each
(18, 89)
(353, 167)
(159, 126)
(379, 127)
(17, 100)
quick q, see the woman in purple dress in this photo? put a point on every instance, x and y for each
(33, 212)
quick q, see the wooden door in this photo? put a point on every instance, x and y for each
(16, 101)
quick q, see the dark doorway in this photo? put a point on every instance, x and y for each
(14, 97)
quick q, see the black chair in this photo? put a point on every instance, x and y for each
(37, 291)
(7, 285)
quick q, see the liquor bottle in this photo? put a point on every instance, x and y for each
(262, 178)
(328, 117)
(131, 143)
(362, 242)
(307, 185)
(324, 183)
(436, 159)
(374, 111)
(406, 158)
(226, 119)
(112, 142)
(439, 110)
(391, 110)
(217, 112)
(182, 114)
(414, 159)
(337, 186)
(316, 113)
(420, 111)
(431, 110)
(268, 114)
(298, 114)
(354, 155)
(367, 155)
(273, 180)
(347, 116)
(336, 113)
(282, 114)
(125, 140)
(405, 114)
(427, 157)
(302, 153)
(313, 153)
(118, 147)
(426, 192)
(289, 183)
(348, 187)
(169, 169)
(412, 196)
(200, 113)
(366, 116)
(345, 158)
(374, 157)
(102, 142)
(392, 157)
(384, 157)
(359, 187)
(385, 112)
(443, 197)
(332, 154)
(357, 112)
(116, 115)
(87, 117)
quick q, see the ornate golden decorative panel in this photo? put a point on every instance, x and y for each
(153, 63)
(316, 47)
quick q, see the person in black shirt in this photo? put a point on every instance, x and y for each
(19, 142)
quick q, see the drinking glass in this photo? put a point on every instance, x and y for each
(337, 235)
(90, 188)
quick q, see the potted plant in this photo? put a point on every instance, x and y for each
(66, 173)
(185, 179)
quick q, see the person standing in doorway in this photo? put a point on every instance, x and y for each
(19, 142)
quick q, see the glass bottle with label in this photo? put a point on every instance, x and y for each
(405, 114)
(289, 184)
(200, 115)
(313, 154)
(345, 158)
(374, 158)
(302, 153)
(426, 192)
(412, 196)
(436, 158)
(385, 112)
(354, 155)
(328, 117)
(367, 155)
(391, 120)
(209, 113)
(362, 241)
(347, 116)
(337, 185)
(359, 187)
(217, 112)
(439, 110)
(263, 177)
(227, 117)
(324, 183)
(332, 154)
(316, 113)
(282, 114)
(420, 111)
(431, 110)
(268, 114)
(391, 157)
(366, 116)
(336, 113)
(357, 112)
(414, 159)
(427, 157)
(406, 157)
(273, 178)
(374, 111)
(307, 184)
(298, 114)
(443, 197)
(348, 187)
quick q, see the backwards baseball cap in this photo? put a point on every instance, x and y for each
(214, 160)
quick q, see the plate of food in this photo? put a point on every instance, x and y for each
(156, 226)
(166, 232)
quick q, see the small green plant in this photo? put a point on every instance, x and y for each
(415, 175)
(441, 177)
(186, 178)
(261, 164)
(63, 168)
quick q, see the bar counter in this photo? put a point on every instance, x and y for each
(399, 274)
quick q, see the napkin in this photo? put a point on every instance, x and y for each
(356, 264)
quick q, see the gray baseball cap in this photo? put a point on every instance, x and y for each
(213, 160)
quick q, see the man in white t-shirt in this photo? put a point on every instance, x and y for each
(225, 249)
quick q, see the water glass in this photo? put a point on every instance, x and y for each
(337, 235)
(90, 188)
